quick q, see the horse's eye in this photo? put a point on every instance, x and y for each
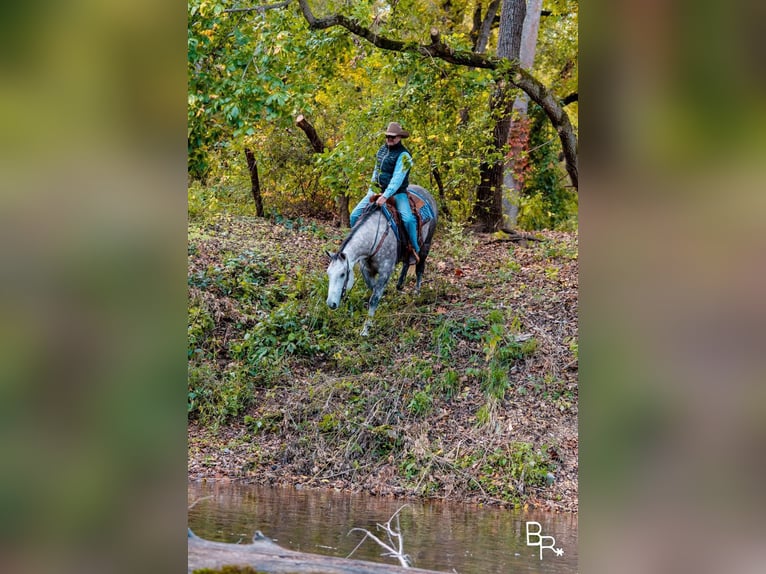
(342, 275)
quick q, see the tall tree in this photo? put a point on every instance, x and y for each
(519, 121)
(255, 182)
(489, 195)
(483, 26)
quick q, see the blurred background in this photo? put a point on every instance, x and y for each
(92, 313)
(673, 401)
(92, 335)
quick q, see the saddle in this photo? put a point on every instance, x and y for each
(394, 219)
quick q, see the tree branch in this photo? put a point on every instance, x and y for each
(573, 97)
(261, 9)
(316, 142)
(436, 49)
(486, 27)
(393, 534)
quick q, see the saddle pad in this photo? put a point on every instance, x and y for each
(421, 206)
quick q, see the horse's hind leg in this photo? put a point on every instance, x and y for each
(402, 275)
(419, 268)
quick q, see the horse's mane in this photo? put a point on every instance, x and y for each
(366, 214)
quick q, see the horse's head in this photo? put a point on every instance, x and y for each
(341, 275)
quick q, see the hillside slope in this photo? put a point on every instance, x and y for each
(467, 391)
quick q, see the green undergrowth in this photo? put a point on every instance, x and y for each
(265, 351)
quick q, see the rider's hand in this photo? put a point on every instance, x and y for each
(381, 200)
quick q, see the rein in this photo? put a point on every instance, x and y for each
(382, 239)
(366, 215)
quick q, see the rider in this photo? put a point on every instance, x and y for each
(391, 174)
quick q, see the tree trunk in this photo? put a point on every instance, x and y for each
(255, 183)
(519, 132)
(264, 555)
(511, 26)
(442, 198)
(485, 193)
(489, 196)
(344, 213)
(316, 142)
(483, 28)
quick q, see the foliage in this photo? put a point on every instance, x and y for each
(283, 332)
(501, 349)
(546, 202)
(458, 243)
(422, 402)
(216, 397)
(449, 383)
(251, 73)
(508, 472)
(239, 275)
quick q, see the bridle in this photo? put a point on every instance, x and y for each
(382, 239)
(345, 282)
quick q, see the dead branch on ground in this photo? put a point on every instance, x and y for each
(394, 534)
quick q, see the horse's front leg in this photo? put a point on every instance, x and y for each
(377, 293)
(366, 275)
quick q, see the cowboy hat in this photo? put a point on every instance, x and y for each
(394, 129)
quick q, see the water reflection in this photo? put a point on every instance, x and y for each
(437, 535)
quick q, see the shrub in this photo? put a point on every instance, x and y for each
(214, 398)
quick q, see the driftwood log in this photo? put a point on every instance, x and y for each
(264, 555)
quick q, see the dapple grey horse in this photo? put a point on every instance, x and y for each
(373, 245)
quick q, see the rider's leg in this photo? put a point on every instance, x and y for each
(408, 219)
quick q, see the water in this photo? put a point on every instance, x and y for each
(437, 535)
